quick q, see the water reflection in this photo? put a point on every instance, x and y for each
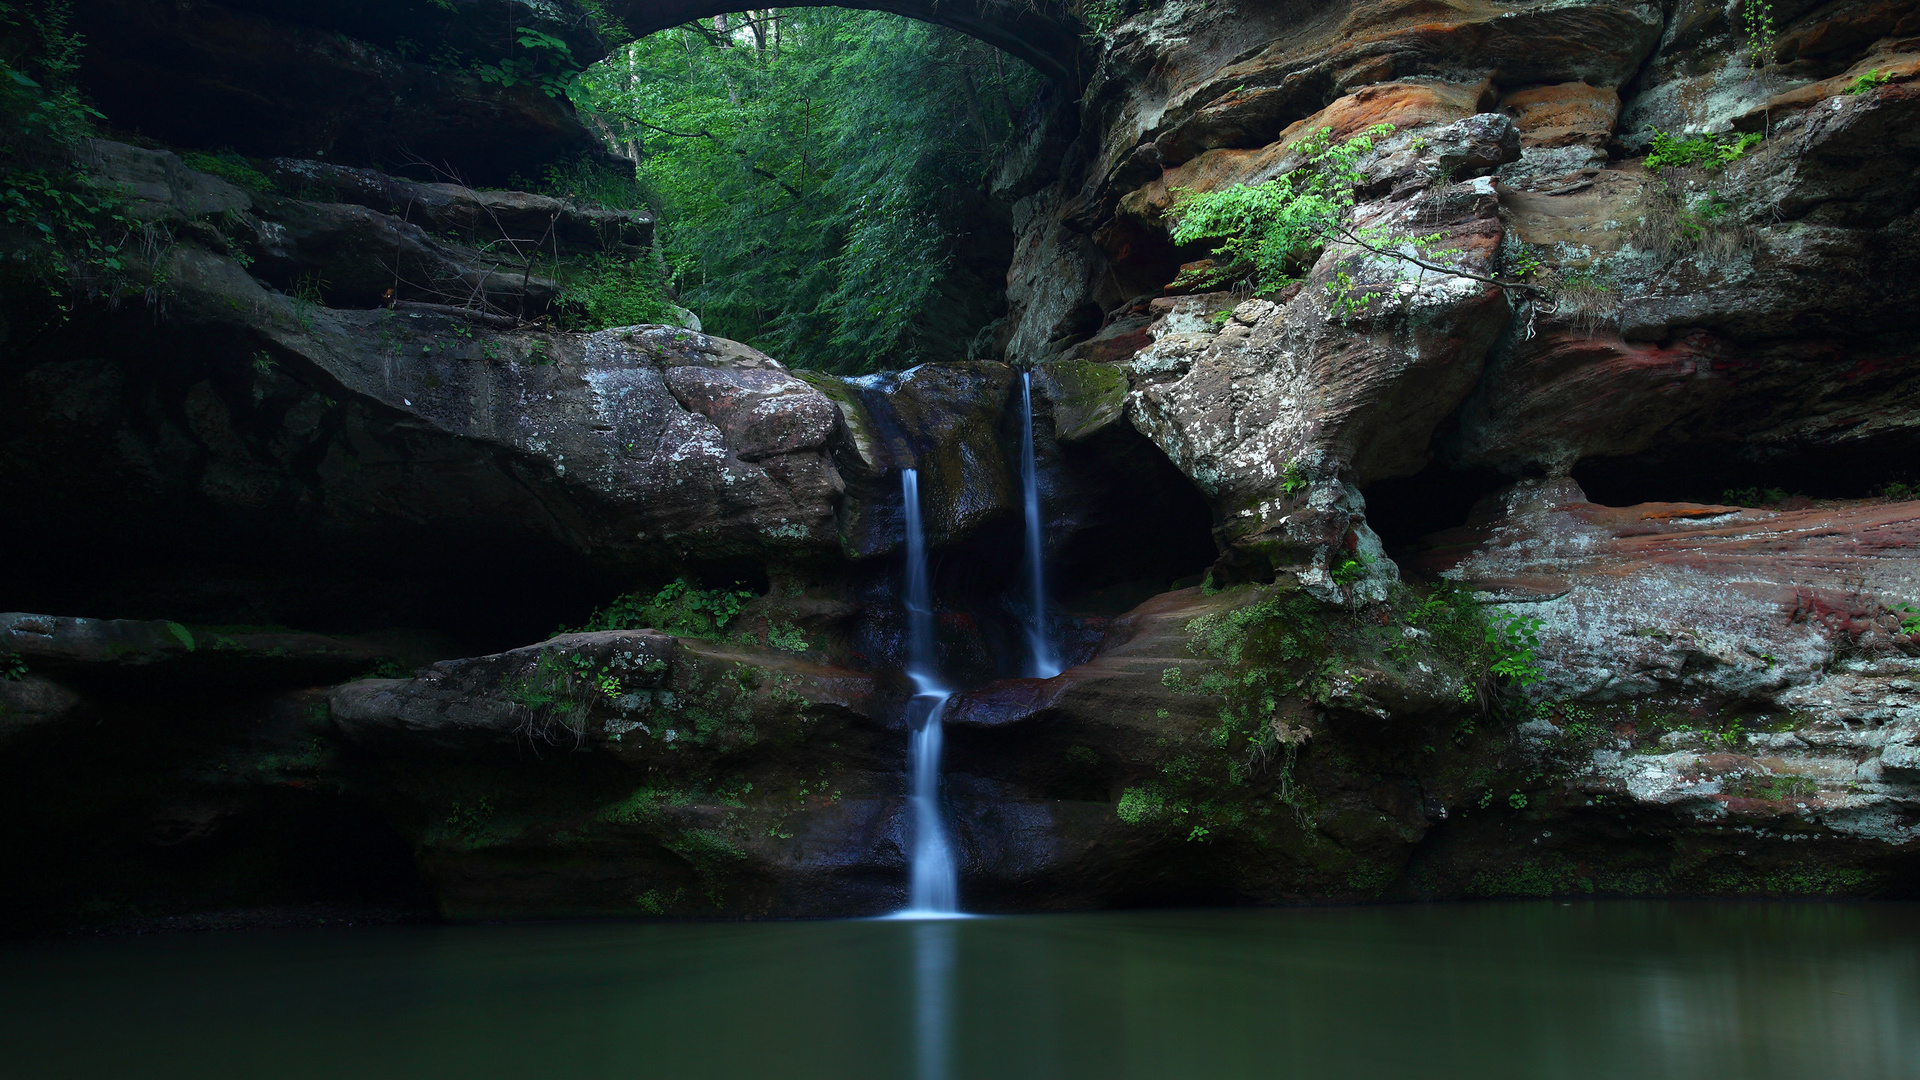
(1640, 990)
(933, 942)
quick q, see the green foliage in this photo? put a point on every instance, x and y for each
(385, 669)
(231, 167)
(1754, 496)
(1351, 567)
(13, 667)
(466, 821)
(1769, 787)
(1898, 491)
(1909, 618)
(681, 608)
(543, 60)
(786, 638)
(1270, 232)
(611, 291)
(1514, 637)
(72, 239)
(1757, 16)
(1699, 151)
(1103, 15)
(1141, 805)
(1869, 82)
(1293, 480)
(815, 175)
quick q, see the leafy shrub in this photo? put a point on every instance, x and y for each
(1270, 232)
(1514, 637)
(609, 291)
(1139, 805)
(231, 167)
(680, 608)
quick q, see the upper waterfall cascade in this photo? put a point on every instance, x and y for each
(1043, 660)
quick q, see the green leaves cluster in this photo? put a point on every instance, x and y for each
(1757, 16)
(1271, 232)
(544, 61)
(816, 177)
(1514, 638)
(1699, 151)
(1868, 83)
(681, 608)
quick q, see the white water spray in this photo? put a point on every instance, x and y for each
(933, 889)
(1043, 660)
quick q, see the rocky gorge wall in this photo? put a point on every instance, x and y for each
(287, 565)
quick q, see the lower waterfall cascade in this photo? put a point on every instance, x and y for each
(933, 889)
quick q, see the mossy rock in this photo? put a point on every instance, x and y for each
(1086, 396)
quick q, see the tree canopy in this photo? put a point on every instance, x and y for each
(817, 176)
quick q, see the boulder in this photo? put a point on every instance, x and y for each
(635, 773)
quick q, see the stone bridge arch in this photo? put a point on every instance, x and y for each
(1041, 32)
(383, 82)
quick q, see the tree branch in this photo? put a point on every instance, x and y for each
(703, 134)
(1354, 238)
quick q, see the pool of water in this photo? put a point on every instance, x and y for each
(1536, 990)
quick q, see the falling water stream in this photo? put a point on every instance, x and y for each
(932, 888)
(933, 891)
(1043, 661)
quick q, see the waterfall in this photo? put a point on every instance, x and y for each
(1043, 661)
(933, 888)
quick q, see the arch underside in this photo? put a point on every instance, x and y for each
(1042, 34)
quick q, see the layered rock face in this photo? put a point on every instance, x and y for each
(1441, 593)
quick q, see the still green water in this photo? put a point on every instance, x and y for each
(1538, 990)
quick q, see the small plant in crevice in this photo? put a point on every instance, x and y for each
(1770, 787)
(1909, 618)
(1514, 639)
(13, 667)
(307, 299)
(1670, 151)
(1587, 299)
(1293, 479)
(1683, 219)
(1350, 567)
(1866, 84)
